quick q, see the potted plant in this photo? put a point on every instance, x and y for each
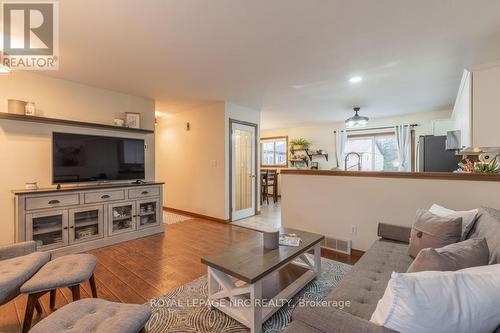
(299, 144)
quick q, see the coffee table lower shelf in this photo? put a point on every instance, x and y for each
(244, 302)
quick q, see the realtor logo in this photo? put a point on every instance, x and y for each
(30, 35)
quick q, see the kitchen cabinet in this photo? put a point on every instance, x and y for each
(476, 112)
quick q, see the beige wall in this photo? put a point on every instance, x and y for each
(322, 136)
(26, 147)
(192, 163)
(195, 164)
(330, 205)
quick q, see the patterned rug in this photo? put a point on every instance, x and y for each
(185, 309)
(171, 218)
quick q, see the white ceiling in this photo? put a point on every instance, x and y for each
(290, 58)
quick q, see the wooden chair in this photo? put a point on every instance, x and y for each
(271, 182)
(263, 188)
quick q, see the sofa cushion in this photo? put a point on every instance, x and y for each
(95, 315)
(16, 271)
(468, 217)
(329, 320)
(394, 232)
(463, 301)
(488, 226)
(365, 284)
(469, 253)
(298, 326)
(430, 230)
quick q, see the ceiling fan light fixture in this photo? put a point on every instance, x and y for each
(356, 120)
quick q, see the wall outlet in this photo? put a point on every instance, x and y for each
(213, 163)
(354, 229)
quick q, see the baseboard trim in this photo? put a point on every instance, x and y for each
(354, 252)
(199, 216)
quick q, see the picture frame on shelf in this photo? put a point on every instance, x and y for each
(133, 119)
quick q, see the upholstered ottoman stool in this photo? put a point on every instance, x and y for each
(97, 316)
(67, 271)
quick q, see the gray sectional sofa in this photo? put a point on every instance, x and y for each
(365, 284)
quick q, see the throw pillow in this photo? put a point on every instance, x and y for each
(460, 302)
(469, 253)
(468, 217)
(488, 226)
(434, 231)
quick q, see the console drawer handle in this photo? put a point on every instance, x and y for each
(144, 192)
(53, 202)
(105, 196)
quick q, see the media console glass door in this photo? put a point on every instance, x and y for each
(48, 229)
(85, 224)
(148, 213)
(121, 217)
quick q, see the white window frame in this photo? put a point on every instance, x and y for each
(274, 140)
(372, 136)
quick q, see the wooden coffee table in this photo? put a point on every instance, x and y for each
(240, 278)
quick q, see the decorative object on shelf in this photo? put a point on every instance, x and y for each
(271, 238)
(29, 109)
(356, 120)
(466, 165)
(316, 153)
(16, 106)
(299, 144)
(490, 167)
(31, 185)
(133, 119)
(66, 122)
(119, 122)
(86, 232)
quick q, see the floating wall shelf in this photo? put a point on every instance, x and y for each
(54, 121)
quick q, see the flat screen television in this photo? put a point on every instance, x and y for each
(90, 158)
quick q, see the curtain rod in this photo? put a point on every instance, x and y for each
(374, 128)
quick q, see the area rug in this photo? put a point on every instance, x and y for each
(172, 218)
(185, 309)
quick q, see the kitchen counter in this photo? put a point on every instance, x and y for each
(413, 175)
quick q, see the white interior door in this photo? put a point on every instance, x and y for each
(243, 171)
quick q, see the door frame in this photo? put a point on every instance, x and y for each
(257, 171)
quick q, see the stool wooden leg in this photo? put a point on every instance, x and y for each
(30, 307)
(75, 292)
(92, 286)
(53, 299)
(38, 307)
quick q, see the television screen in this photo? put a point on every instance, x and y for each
(87, 158)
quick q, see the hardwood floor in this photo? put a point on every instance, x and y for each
(139, 270)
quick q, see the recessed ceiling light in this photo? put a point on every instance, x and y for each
(355, 79)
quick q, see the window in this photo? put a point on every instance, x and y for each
(274, 151)
(377, 152)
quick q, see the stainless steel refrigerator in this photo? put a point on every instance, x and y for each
(433, 156)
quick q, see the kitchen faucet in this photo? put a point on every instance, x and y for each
(347, 157)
